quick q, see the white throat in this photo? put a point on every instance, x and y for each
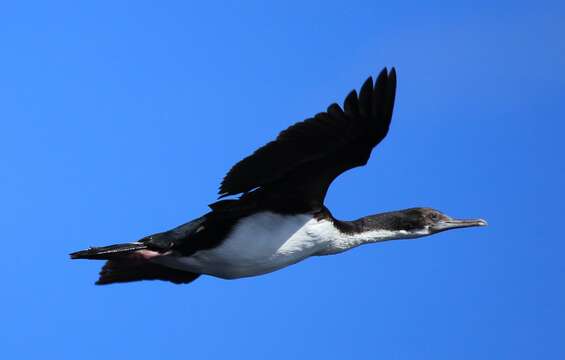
(343, 241)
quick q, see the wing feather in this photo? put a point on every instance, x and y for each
(323, 146)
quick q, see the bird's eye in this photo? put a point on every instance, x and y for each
(434, 217)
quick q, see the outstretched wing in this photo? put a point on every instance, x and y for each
(309, 155)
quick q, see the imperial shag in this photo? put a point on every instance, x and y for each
(279, 217)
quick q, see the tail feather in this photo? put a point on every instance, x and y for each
(108, 252)
(132, 262)
(128, 270)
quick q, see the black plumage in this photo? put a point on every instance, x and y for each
(288, 176)
(305, 158)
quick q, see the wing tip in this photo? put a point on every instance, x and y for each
(378, 101)
(392, 76)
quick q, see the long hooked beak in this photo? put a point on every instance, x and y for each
(457, 223)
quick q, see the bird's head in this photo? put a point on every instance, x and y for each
(427, 221)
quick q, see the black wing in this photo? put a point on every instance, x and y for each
(305, 158)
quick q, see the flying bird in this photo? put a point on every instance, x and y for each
(277, 217)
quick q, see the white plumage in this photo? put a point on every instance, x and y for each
(265, 242)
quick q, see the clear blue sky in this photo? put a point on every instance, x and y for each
(120, 118)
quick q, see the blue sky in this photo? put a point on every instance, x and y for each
(120, 118)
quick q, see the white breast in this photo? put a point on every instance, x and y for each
(259, 244)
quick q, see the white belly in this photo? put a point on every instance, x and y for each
(259, 244)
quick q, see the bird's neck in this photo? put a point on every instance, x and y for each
(366, 230)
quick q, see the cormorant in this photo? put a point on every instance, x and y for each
(279, 217)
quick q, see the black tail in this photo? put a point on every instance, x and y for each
(127, 263)
(108, 252)
(131, 269)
